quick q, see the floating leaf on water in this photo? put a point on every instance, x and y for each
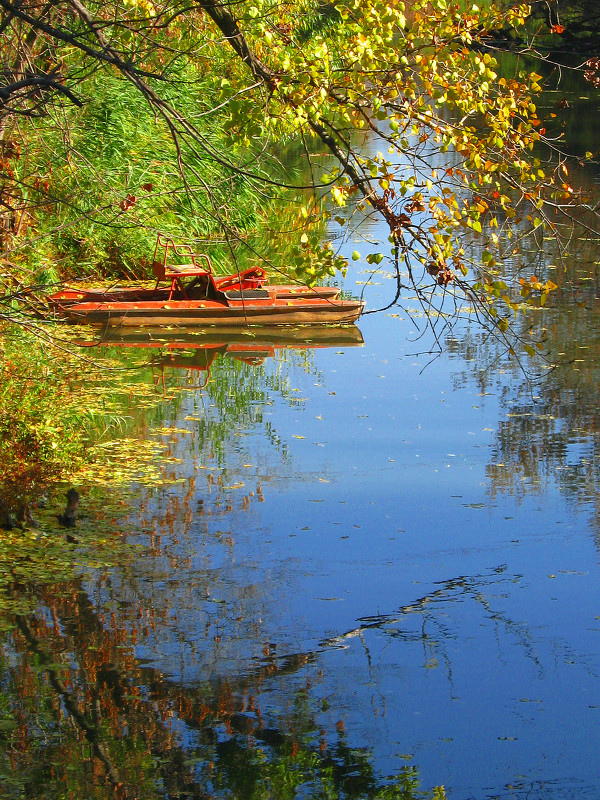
(169, 431)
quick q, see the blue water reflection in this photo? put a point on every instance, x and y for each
(356, 531)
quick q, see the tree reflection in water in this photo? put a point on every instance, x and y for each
(550, 434)
(82, 716)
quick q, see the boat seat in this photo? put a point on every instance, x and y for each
(177, 275)
(252, 278)
(247, 294)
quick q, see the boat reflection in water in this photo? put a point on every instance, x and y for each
(195, 350)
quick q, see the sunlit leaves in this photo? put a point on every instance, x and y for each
(337, 74)
(533, 288)
(314, 260)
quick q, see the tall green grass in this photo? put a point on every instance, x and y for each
(102, 180)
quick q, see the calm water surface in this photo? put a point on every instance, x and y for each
(390, 560)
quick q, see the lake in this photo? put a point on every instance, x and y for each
(366, 572)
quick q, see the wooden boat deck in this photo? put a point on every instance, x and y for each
(243, 298)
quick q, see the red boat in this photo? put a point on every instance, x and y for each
(191, 294)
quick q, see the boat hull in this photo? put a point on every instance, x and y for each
(305, 311)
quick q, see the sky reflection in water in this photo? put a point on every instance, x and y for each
(438, 611)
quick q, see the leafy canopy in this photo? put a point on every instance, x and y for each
(458, 151)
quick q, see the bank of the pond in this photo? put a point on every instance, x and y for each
(73, 419)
